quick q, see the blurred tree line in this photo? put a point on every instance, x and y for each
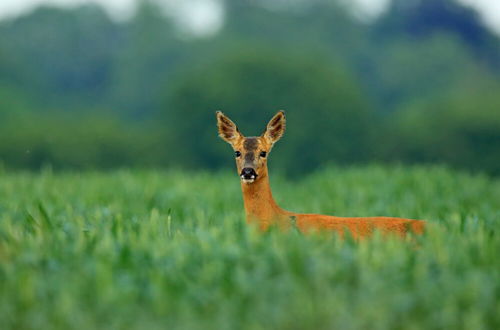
(421, 83)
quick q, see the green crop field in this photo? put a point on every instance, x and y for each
(171, 250)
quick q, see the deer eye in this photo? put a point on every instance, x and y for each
(263, 154)
(237, 154)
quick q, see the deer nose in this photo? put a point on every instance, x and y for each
(248, 173)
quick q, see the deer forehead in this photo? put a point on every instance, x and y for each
(252, 144)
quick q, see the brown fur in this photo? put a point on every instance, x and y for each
(260, 207)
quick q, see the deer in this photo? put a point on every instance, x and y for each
(251, 154)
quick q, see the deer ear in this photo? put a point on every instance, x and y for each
(227, 129)
(276, 127)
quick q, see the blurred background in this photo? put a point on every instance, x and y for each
(108, 84)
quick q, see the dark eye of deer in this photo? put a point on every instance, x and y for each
(237, 154)
(263, 154)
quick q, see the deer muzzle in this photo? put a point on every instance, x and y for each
(248, 175)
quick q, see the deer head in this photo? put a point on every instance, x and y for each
(251, 152)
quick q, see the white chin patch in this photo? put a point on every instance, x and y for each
(251, 180)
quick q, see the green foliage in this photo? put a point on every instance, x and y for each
(417, 70)
(421, 18)
(148, 54)
(62, 141)
(68, 53)
(156, 250)
(322, 101)
(14, 103)
(461, 129)
(351, 89)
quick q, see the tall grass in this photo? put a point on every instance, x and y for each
(171, 250)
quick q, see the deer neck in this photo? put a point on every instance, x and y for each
(259, 202)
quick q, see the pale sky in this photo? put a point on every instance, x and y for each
(199, 16)
(205, 16)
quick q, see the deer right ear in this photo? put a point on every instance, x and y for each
(227, 129)
(276, 127)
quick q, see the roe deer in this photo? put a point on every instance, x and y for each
(251, 161)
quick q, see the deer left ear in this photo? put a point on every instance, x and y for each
(276, 127)
(227, 129)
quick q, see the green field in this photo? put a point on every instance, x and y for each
(171, 250)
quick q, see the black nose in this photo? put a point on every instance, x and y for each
(248, 173)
